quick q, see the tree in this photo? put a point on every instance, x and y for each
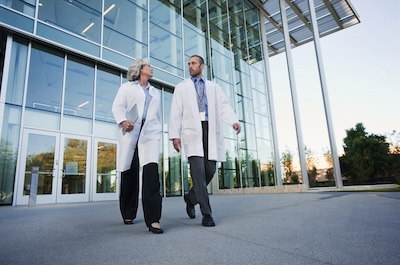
(329, 170)
(287, 162)
(311, 168)
(366, 156)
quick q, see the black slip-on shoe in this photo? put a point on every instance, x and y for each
(191, 212)
(207, 220)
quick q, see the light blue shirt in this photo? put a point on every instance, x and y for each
(147, 100)
(200, 85)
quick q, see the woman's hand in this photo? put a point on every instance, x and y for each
(127, 125)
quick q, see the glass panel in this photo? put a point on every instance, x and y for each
(250, 136)
(263, 127)
(35, 118)
(79, 87)
(77, 125)
(9, 152)
(219, 29)
(25, 6)
(166, 14)
(248, 115)
(74, 166)
(166, 108)
(195, 41)
(107, 84)
(67, 39)
(166, 50)
(40, 153)
(172, 169)
(260, 103)
(250, 169)
(106, 168)
(265, 154)
(45, 79)
(16, 76)
(222, 67)
(228, 174)
(59, 13)
(196, 31)
(125, 27)
(257, 79)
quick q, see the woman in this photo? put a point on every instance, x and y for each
(136, 109)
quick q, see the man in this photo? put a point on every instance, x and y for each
(197, 108)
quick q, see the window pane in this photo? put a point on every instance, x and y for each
(125, 28)
(25, 6)
(106, 88)
(106, 168)
(45, 79)
(79, 88)
(166, 14)
(60, 13)
(16, 76)
(166, 49)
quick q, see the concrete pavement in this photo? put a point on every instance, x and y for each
(292, 228)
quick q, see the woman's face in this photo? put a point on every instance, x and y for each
(146, 71)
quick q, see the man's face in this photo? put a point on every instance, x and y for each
(195, 68)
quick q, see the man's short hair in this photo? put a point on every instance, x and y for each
(198, 56)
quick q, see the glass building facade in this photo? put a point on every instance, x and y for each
(62, 63)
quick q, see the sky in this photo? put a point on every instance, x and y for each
(362, 71)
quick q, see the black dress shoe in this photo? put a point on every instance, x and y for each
(155, 230)
(207, 220)
(191, 212)
(128, 221)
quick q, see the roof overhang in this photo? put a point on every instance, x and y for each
(332, 16)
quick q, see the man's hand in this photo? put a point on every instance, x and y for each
(177, 144)
(236, 126)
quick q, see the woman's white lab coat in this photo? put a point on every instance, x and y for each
(129, 94)
(185, 120)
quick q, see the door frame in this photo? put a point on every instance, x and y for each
(55, 196)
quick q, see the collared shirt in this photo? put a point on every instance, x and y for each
(200, 85)
(147, 100)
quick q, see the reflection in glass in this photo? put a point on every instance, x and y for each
(40, 153)
(45, 79)
(9, 151)
(106, 168)
(125, 27)
(166, 50)
(59, 13)
(106, 87)
(166, 14)
(79, 87)
(17, 70)
(74, 166)
(26, 6)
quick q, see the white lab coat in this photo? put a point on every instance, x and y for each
(129, 94)
(185, 120)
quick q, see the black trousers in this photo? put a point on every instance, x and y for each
(129, 193)
(202, 171)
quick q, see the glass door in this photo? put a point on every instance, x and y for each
(106, 180)
(39, 149)
(73, 176)
(64, 163)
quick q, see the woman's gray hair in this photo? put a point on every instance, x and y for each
(135, 67)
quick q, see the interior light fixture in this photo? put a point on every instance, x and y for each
(109, 9)
(83, 104)
(87, 28)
